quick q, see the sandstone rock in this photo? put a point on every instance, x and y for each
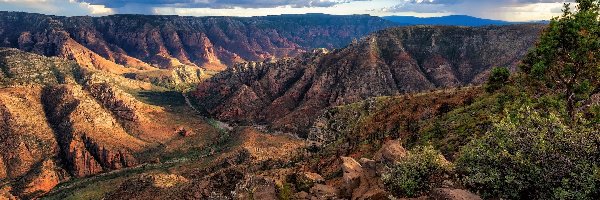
(391, 152)
(371, 186)
(256, 187)
(91, 140)
(313, 177)
(26, 138)
(452, 194)
(352, 171)
(361, 180)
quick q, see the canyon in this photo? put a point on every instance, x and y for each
(62, 121)
(277, 107)
(288, 94)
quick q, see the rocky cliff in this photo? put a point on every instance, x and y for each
(127, 43)
(60, 120)
(289, 93)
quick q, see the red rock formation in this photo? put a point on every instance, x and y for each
(134, 41)
(289, 93)
(41, 179)
(91, 141)
(58, 120)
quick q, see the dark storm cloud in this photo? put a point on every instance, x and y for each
(219, 3)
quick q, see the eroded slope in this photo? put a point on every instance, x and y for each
(289, 93)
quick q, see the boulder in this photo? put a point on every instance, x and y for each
(391, 152)
(362, 180)
(352, 170)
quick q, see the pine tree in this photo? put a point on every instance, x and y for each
(566, 61)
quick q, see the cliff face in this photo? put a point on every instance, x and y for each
(127, 43)
(289, 93)
(60, 120)
(91, 139)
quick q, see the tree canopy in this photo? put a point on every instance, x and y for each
(566, 61)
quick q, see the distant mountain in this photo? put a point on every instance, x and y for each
(130, 43)
(289, 93)
(452, 20)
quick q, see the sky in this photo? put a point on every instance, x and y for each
(509, 10)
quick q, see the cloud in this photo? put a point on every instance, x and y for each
(433, 5)
(54, 7)
(512, 10)
(218, 3)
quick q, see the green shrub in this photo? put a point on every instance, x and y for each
(285, 192)
(530, 155)
(498, 78)
(420, 171)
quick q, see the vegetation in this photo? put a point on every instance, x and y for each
(285, 192)
(567, 59)
(541, 147)
(533, 155)
(420, 171)
(498, 78)
(525, 139)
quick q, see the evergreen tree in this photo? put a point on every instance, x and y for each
(498, 78)
(566, 61)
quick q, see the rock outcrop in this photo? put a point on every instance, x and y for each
(361, 180)
(391, 152)
(290, 93)
(41, 179)
(91, 140)
(306, 180)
